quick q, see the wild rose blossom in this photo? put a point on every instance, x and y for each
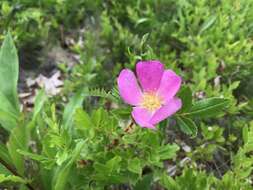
(155, 100)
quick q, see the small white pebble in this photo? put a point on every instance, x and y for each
(186, 148)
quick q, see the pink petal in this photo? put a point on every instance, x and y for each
(128, 87)
(142, 117)
(149, 74)
(167, 110)
(170, 84)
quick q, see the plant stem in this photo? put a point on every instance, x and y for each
(13, 171)
(130, 126)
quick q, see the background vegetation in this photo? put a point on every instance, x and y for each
(81, 136)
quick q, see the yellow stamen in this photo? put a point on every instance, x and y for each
(151, 101)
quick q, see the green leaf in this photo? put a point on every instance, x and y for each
(7, 121)
(185, 95)
(9, 68)
(40, 100)
(108, 171)
(121, 113)
(111, 95)
(33, 156)
(46, 176)
(11, 178)
(187, 126)
(134, 165)
(4, 154)
(101, 170)
(4, 170)
(83, 124)
(245, 134)
(208, 107)
(113, 164)
(61, 175)
(61, 157)
(74, 103)
(82, 119)
(207, 24)
(168, 151)
(99, 116)
(140, 21)
(168, 182)
(6, 106)
(145, 183)
(18, 140)
(8, 114)
(6, 8)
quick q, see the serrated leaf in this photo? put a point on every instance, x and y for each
(145, 183)
(61, 175)
(111, 95)
(98, 116)
(122, 113)
(134, 165)
(168, 151)
(109, 170)
(187, 126)
(208, 107)
(113, 164)
(168, 182)
(82, 119)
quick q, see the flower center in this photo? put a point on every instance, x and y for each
(151, 101)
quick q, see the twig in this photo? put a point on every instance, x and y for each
(130, 126)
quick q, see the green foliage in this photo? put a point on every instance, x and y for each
(187, 126)
(242, 161)
(9, 111)
(38, 103)
(18, 140)
(208, 107)
(11, 178)
(185, 95)
(85, 137)
(189, 179)
(111, 95)
(63, 171)
(75, 102)
(9, 70)
(199, 180)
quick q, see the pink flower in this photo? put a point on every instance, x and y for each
(156, 100)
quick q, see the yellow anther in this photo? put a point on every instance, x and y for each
(151, 101)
